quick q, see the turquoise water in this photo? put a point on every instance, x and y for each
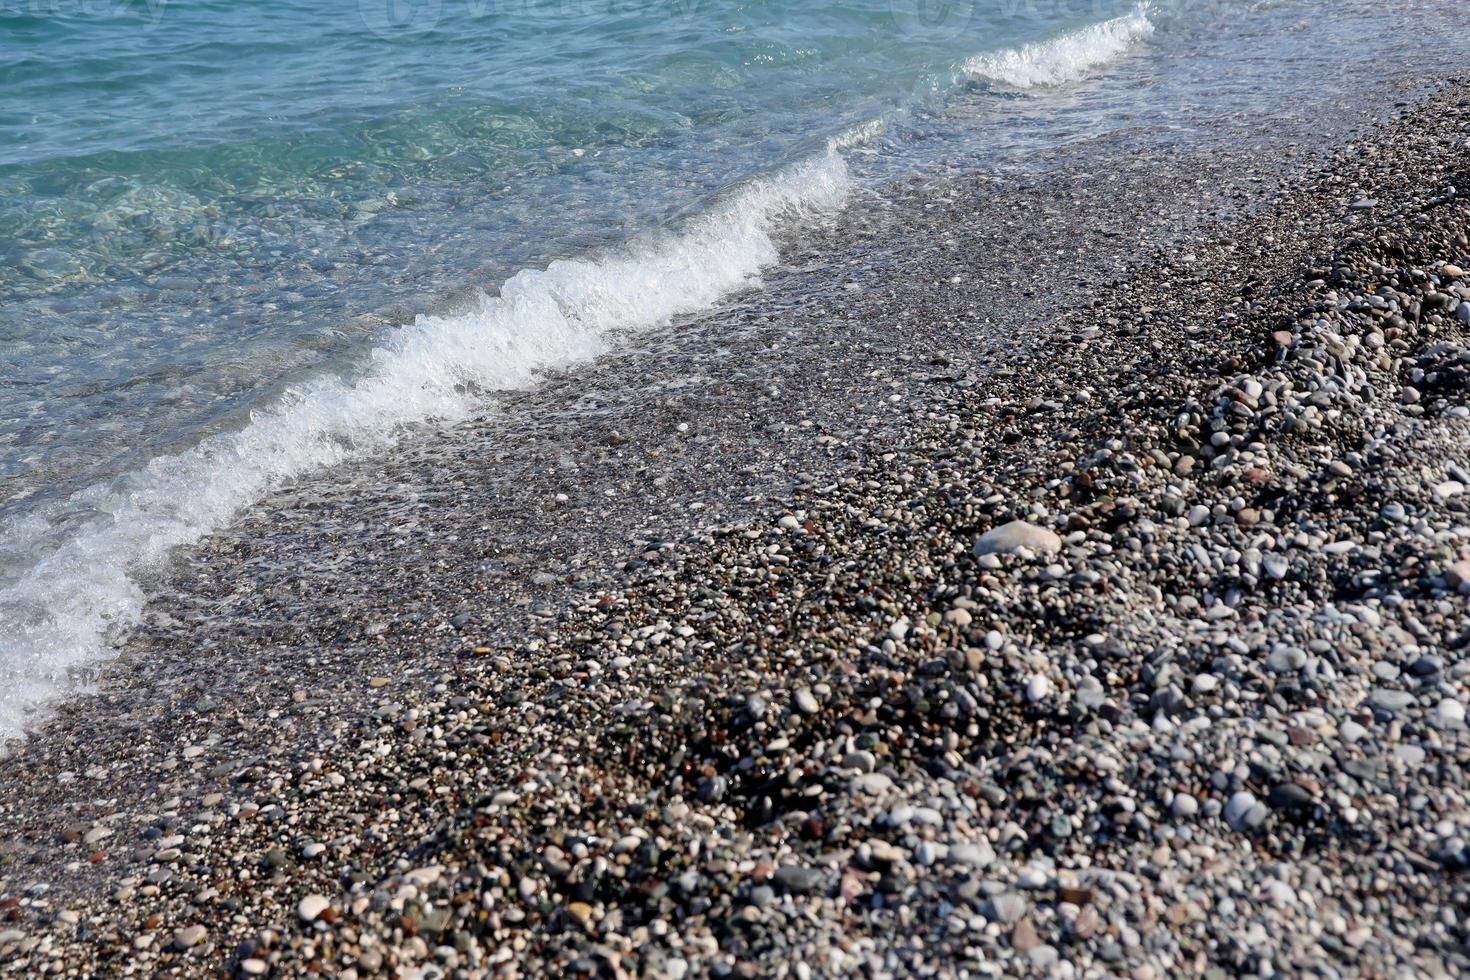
(241, 242)
(199, 200)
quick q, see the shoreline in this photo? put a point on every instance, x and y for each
(869, 733)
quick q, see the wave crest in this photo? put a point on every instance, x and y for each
(56, 619)
(1064, 59)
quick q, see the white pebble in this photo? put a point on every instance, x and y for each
(312, 906)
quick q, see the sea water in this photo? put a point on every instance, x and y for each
(242, 241)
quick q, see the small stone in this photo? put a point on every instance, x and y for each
(1287, 659)
(1090, 693)
(977, 855)
(1037, 687)
(253, 967)
(1389, 699)
(190, 936)
(1279, 892)
(1446, 489)
(1008, 907)
(1238, 810)
(311, 907)
(1412, 756)
(1426, 666)
(1024, 937)
(806, 702)
(1077, 896)
(873, 782)
(798, 880)
(1288, 796)
(1043, 957)
(884, 853)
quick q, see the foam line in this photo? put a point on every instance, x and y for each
(58, 618)
(1064, 59)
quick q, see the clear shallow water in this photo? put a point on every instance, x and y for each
(201, 198)
(216, 221)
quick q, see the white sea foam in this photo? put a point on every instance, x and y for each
(60, 616)
(1067, 58)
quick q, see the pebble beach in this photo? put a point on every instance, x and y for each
(1135, 650)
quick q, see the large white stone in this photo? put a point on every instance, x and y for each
(1009, 538)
